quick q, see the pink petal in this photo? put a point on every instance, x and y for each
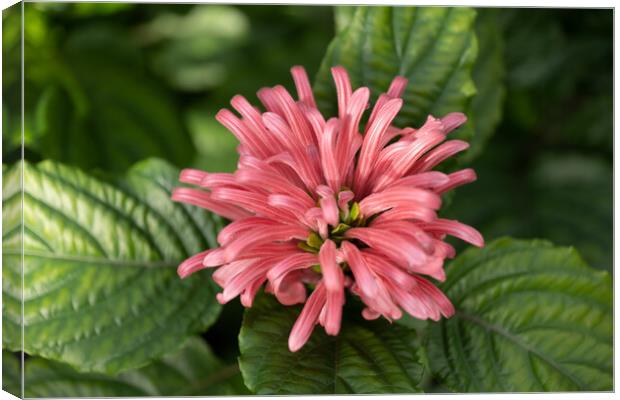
(215, 258)
(333, 276)
(445, 306)
(269, 250)
(424, 180)
(261, 235)
(302, 84)
(349, 139)
(344, 198)
(248, 295)
(328, 205)
(363, 277)
(457, 179)
(343, 89)
(387, 270)
(370, 314)
(397, 87)
(393, 245)
(293, 116)
(246, 137)
(374, 140)
(453, 121)
(265, 144)
(260, 174)
(290, 290)
(407, 229)
(439, 154)
(396, 159)
(252, 201)
(401, 197)
(333, 312)
(328, 157)
(299, 260)
(456, 229)
(223, 274)
(306, 167)
(307, 319)
(205, 200)
(413, 212)
(192, 264)
(244, 279)
(315, 119)
(395, 90)
(230, 231)
(219, 180)
(192, 176)
(416, 303)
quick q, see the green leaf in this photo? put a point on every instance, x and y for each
(343, 16)
(105, 110)
(101, 291)
(11, 373)
(435, 48)
(366, 357)
(530, 317)
(192, 371)
(485, 109)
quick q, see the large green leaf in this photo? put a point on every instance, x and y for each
(530, 317)
(435, 48)
(485, 109)
(100, 285)
(192, 371)
(366, 357)
(343, 16)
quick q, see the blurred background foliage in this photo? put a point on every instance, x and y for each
(547, 171)
(121, 82)
(109, 84)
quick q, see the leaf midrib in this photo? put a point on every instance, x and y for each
(92, 259)
(520, 343)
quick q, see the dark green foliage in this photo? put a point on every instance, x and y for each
(530, 318)
(364, 358)
(434, 48)
(193, 370)
(100, 285)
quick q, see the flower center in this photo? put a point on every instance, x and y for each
(336, 233)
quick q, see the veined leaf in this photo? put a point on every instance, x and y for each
(485, 109)
(343, 16)
(192, 371)
(530, 317)
(101, 291)
(435, 48)
(366, 357)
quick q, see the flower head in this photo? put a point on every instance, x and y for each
(320, 206)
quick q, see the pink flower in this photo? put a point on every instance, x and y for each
(319, 207)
